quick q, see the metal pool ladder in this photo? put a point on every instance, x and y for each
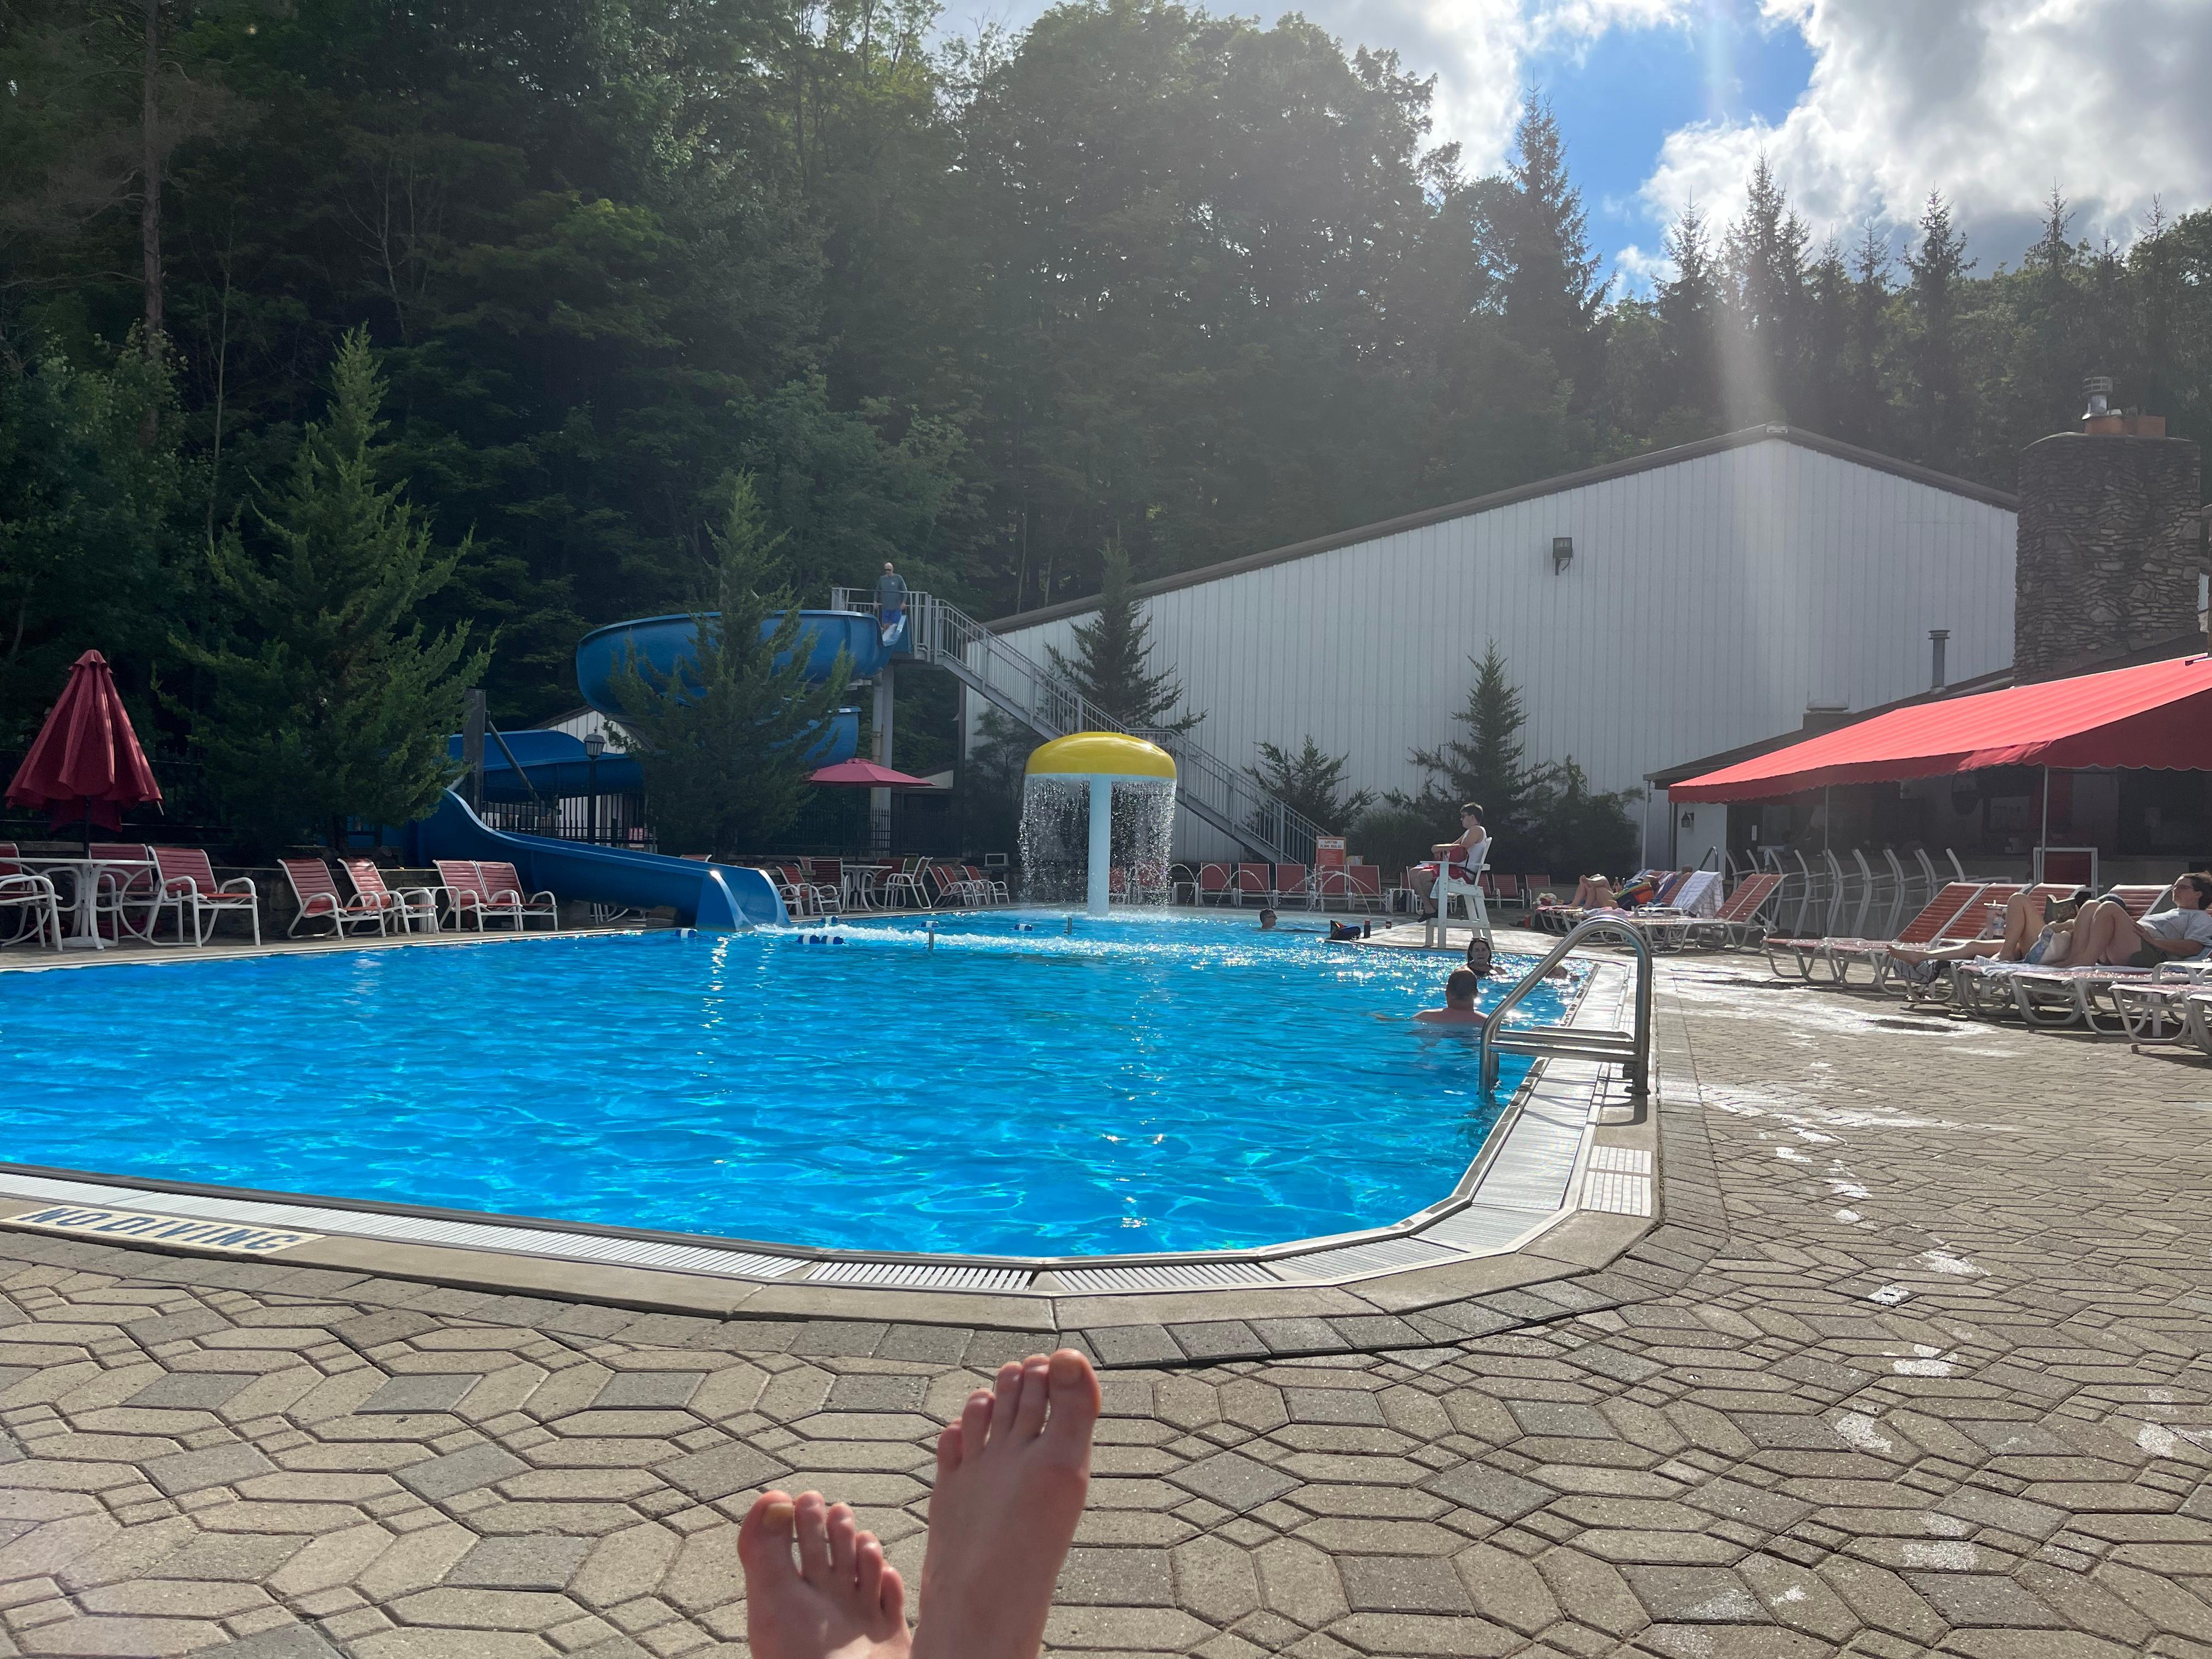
(1631, 1050)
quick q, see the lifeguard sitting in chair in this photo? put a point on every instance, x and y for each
(1457, 872)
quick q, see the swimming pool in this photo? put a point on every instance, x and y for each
(1143, 1082)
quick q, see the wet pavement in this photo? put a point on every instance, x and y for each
(1912, 1365)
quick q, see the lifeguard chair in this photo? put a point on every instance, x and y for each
(1458, 875)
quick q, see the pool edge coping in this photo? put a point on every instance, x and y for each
(1376, 1273)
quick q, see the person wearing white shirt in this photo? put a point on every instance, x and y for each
(2105, 933)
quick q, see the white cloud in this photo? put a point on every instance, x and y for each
(1989, 101)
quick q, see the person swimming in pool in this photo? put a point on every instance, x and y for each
(1459, 1009)
(1012, 1477)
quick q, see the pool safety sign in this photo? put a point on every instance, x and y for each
(93, 1221)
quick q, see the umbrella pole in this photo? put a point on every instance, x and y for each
(87, 826)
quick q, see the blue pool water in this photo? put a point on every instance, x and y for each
(1144, 1083)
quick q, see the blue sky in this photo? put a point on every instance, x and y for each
(1618, 96)
(1861, 106)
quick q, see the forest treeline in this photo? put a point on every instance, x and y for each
(1135, 276)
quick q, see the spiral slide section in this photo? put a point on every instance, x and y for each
(663, 643)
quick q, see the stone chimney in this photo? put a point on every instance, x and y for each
(2109, 549)
(2108, 554)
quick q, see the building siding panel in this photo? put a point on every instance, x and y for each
(1708, 603)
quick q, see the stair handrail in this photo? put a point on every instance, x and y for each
(937, 628)
(1639, 1065)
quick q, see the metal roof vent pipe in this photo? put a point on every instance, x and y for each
(2098, 388)
(1938, 639)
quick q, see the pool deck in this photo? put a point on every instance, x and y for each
(1913, 1361)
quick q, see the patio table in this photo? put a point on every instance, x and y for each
(88, 872)
(859, 883)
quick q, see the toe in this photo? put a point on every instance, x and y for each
(1074, 1397)
(1006, 1402)
(764, 1541)
(975, 1422)
(874, 1577)
(948, 1449)
(812, 1520)
(1029, 1416)
(843, 1535)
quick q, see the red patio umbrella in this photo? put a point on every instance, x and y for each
(868, 775)
(86, 761)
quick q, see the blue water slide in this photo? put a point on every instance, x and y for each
(663, 643)
(724, 897)
(554, 763)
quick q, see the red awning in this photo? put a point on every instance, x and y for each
(2157, 714)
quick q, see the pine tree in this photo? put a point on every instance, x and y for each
(1764, 257)
(725, 741)
(1112, 664)
(1488, 765)
(1310, 782)
(1539, 240)
(1825, 391)
(1865, 420)
(1689, 316)
(331, 704)
(1942, 405)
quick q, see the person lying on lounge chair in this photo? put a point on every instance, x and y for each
(2036, 930)
(2105, 935)
(1459, 1009)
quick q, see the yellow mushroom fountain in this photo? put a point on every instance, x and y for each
(1101, 762)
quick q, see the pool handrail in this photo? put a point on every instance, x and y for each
(1630, 1050)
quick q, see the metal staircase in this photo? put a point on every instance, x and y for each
(1017, 686)
(1631, 1050)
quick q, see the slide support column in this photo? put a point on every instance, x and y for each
(879, 801)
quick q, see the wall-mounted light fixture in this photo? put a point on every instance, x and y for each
(1690, 820)
(1563, 553)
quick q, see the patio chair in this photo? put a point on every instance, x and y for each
(906, 879)
(826, 877)
(29, 906)
(1293, 882)
(188, 884)
(318, 896)
(1950, 903)
(1181, 880)
(1739, 916)
(505, 885)
(130, 899)
(1216, 882)
(464, 891)
(1149, 884)
(994, 891)
(798, 895)
(1254, 881)
(416, 908)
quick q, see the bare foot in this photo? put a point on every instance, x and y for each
(1010, 1478)
(839, 1601)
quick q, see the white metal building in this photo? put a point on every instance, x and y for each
(1651, 611)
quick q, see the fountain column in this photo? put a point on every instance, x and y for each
(1102, 845)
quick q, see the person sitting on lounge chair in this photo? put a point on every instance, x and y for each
(2037, 931)
(1459, 1009)
(2105, 935)
(1594, 893)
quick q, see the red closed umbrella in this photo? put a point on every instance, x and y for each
(86, 761)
